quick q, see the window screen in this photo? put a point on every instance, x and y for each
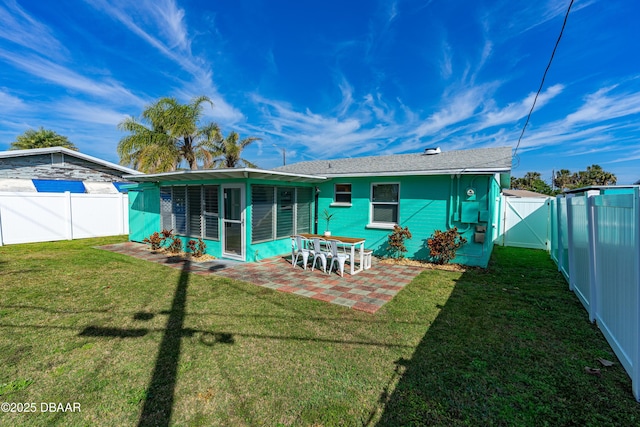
(342, 193)
(285, 226)
(211, 213)
(304, 203)
(384, 203)
(262, 213)
(179, 209)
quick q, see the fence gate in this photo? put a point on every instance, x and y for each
(525, 222)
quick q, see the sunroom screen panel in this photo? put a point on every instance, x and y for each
(262, 213)
(303, 215)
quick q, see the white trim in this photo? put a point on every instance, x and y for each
(463, 171)
(381, 225)
(53, 150)
(242, 221)
(340, 205)
(225, 173)
(336, 192)
(372, 223)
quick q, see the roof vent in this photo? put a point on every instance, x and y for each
(432, 150)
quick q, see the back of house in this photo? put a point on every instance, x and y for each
(249, 214)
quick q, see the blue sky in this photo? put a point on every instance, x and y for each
(335, 78)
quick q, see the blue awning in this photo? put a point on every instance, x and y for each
(58, 186)
(123, 187)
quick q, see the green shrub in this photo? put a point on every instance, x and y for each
(396, 240)
(444, 244)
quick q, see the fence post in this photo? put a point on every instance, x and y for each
(560, 248)
(635, 380)
(1, 240)
(594, 286)
(572, 263)
(121, 213)
(68, 215)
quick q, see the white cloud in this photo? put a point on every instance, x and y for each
(10, 103)
(456, 109)
(599, 106)
(20, 28)
(516, 111)
(86, 112)
(161, 24)
(69, 79)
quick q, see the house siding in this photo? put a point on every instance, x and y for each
(144, 217)
(426, 204)
(57, 166)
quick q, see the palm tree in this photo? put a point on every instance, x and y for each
(167, 134)
(229, 150)
(564, 180)
(598, 176)
(41, 138)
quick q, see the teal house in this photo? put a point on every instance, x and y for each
(249, 214)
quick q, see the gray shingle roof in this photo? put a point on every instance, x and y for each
(487, 160)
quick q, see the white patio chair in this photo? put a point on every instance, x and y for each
(337, 255)
(319, 253)
(299, 248)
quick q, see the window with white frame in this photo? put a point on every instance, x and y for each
(384, 203)
(342, 194)
(190, 210)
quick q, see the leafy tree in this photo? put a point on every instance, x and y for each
(594, 175)
(228, 151)
(167, 134)
(41, 138)
(531, 181)
(563, 179)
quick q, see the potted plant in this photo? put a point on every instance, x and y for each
(327, 217)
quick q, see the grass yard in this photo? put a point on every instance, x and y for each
(137, 343)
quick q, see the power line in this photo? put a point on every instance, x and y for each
(544, 76)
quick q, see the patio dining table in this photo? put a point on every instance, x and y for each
(351, 242)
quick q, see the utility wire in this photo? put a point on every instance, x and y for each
(544, 76)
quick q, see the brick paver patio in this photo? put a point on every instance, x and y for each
(366, 291)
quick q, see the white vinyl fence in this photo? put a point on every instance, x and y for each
(525, 222)
(596, 244)
(44, 217)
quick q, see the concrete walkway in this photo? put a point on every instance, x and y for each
(366, 291)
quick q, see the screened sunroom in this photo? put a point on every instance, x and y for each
(244, 214)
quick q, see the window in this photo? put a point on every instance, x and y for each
(210, 211)
(304, 204)
(179, 210)
(262, 213)
(384, 203)
(190, 210)
(279, 212)
(285, 226)
(342, 194)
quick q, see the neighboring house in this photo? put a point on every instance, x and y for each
(522, 193)
(249, 214)
(49, 194)
(58, 169)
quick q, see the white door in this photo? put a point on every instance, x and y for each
(233, 224)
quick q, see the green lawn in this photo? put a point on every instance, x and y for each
(135, 343)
